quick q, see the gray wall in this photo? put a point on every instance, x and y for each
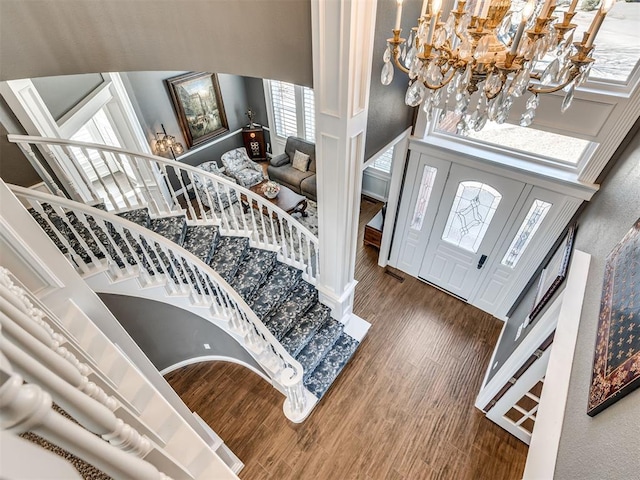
(508, 342)
(267, 39)
(168, 335)
(61, 94)
(152, 101)
(388, 114)
(14, 166)
(606, 446)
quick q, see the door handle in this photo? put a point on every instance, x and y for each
(483, 259)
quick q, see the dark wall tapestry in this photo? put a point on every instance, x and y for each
(616, 365)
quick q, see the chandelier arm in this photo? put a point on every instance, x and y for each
(535, 89)
(396, 60)
(444, 83)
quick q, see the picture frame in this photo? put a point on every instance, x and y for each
(616, 359)
(198, 104)
(553, 274)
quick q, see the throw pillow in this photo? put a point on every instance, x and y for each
(300, 161)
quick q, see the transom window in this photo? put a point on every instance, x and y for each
(561, 148)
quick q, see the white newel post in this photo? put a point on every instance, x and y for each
(342, 52)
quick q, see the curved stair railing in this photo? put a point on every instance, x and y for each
(95, 240)
(166, 186)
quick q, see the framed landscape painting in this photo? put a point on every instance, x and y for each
(616, 362)
(198, 104)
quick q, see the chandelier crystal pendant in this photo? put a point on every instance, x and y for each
(489, 50)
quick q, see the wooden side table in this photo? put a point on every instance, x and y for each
(253, 138)
(373, 230)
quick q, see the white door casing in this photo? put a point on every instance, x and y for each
(474, 209)
(418, 209)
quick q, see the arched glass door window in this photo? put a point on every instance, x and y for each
(471, 214)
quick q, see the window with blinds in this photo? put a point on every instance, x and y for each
(293, 110)
(383, 162)
(309, 114)
(283, 98)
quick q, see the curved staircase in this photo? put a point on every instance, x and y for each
(276, 292)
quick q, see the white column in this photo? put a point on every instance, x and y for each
(342, 49)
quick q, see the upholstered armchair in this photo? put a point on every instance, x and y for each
(213, 194)
(238, 165)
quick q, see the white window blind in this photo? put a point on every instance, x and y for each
(383, 162)
(309, 114)
(293, 110)
(283, 98)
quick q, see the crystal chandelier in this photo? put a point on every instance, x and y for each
(493, 48)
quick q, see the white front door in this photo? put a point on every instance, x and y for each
(473, 211)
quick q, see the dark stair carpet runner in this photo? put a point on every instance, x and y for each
(286, 304)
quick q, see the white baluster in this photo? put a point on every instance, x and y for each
(185, 192)
(142, 185)
(200, 215)
(61, 237)
(70, 160)
(107, 192)
(42, 171)
(105, 158)
(27, 408)
(35, 339)
(176, 203)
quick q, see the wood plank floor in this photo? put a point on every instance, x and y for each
(401, 409)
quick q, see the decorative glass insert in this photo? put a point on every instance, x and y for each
(470, 216)
(426, 185)
(529, 226)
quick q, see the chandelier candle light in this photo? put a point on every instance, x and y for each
(492, 50)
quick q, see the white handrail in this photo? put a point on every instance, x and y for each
(127, 243)
(161, 184)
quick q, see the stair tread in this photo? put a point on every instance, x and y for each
(300, 334)
(331, 365)
(318, 346)
(85, 234)
(172, 228)
(139, 216)
(48, 230)
(275, 287)
(252, 271)
(228, 255)
(201, 240)
(66, 232)
(298, 302)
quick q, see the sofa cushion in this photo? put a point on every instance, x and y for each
(309, 187)
(295, 143)
(290, 176)
(300, 161)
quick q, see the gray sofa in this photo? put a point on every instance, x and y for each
(280, 169)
